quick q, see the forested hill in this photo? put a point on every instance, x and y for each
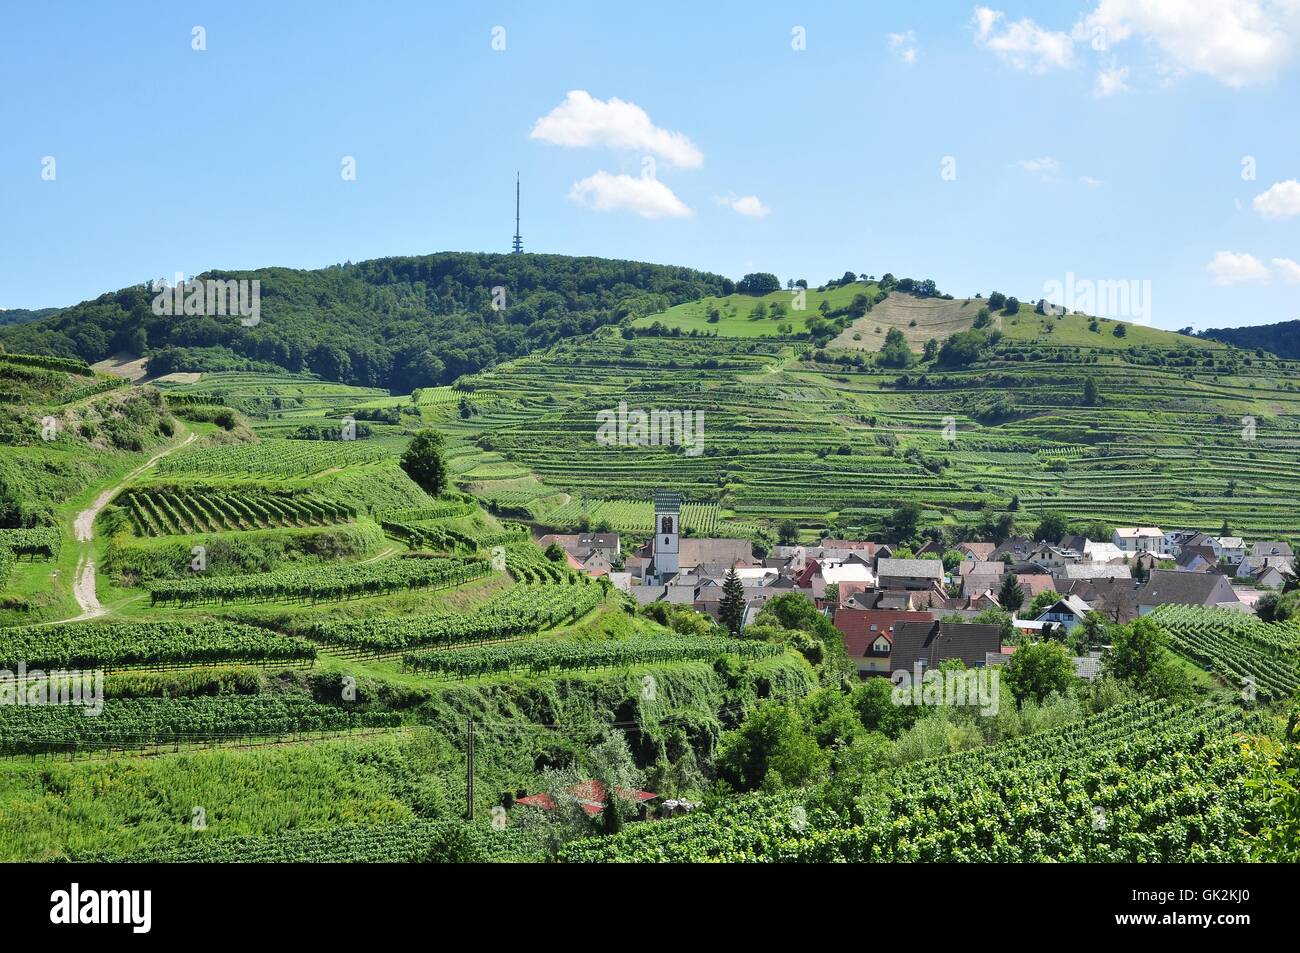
(399, 323)
(23, 315)
(1282, 339)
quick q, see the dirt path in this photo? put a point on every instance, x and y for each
(83, 529)
(387, 551)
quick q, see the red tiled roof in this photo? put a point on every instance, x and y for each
(590, 795)
(855, 626)
(1033, 583)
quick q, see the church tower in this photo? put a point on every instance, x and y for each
(667, 545)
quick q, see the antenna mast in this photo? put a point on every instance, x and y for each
(519, 241)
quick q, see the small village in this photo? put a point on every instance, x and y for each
(897, 609)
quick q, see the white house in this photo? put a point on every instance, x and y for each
(1068, 611)
(1101, 552)
(837, 573)
(1229, 548)
(1140, 539)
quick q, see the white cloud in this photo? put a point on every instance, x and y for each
(582, 120)
(1024, 44)
(1288, 270)
(1090, 181)
(1112, 81)
(1282, 200)
(1237, 42)
(646, 197)
(1231, 268)
(904, 44)
(1045, 168)
(749, 205)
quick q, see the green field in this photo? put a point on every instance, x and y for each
(736, 317)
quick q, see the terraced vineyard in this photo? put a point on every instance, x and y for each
(1187, 436)
(42, 542)
(393, 618)
(141, 722)
(520, 610)
(544, 656)
(270, 458)
(115, 645)
(1150, 782)
(175, 511)
(331, 583)
(1253, 655)
(406, 842)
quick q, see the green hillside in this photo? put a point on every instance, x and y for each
(834, 442)
(295, 633)
(1282, 339)
(397, 323)
(745, 316)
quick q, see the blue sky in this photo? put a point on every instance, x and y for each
(1104, 138)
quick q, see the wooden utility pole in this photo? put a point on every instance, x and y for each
(469, 773)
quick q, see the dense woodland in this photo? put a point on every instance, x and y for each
(1282, 339)
(399, 323)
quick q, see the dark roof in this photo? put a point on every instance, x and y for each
(918, 568)
(1166, 587)
(937, 642)
(1077, 543)
(1189, 554)
(667, 501)
(1115, 599)
(1018, 546)
(855, 627)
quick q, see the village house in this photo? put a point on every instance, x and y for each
(1053, 557)
(975, 601)
(1016, 549)
(1032, 583)
(909, 573)
(1169, 587)
(976, 577)
(592, 553)
(979, 552)
(1196, 559)
(1137, 539)
(1068, 611)
(1143, 562)
(581, 545)
(868, 636)
(1271, 549)
(1229, 549)
(1090, 571)
(896, 600)
(1270, 571)
(1176, 539)
(928, 644)
(1087, 667)
(1094, 552)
